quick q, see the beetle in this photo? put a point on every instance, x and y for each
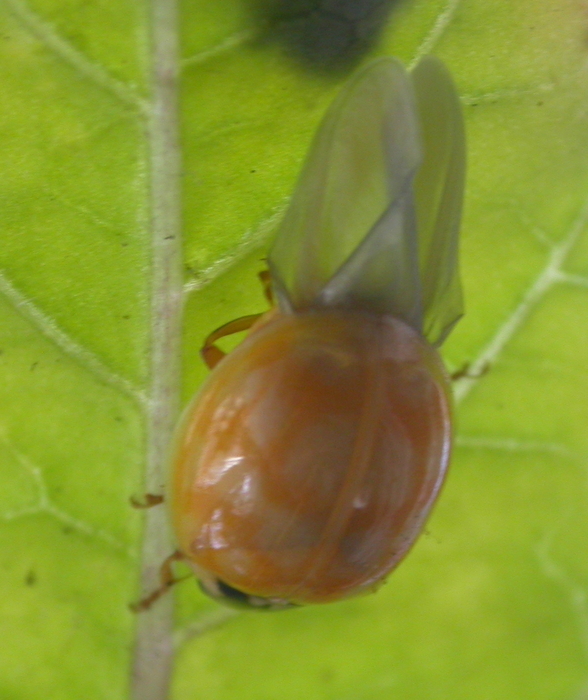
(305, 467)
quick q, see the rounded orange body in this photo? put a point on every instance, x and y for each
(308, 462)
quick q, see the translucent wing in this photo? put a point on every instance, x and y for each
(438, 189)
(349, 237)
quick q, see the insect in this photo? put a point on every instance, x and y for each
(305, 467)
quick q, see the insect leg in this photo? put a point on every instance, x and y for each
(167, 581)
(266, 283)
(147, 501)
(211, 354)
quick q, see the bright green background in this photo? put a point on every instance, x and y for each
(493, 602)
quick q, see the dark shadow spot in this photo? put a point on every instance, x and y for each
(323, 35)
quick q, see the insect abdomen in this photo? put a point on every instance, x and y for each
(315, 452)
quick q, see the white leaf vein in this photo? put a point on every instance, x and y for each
(515, 445)
(154, 651)
(549, 276)
(45, 505)
(48, 37)
(232, 42)
(571, 279)
(507, 94)
(434, 35)
(79, 354)
(574, 590)
(251, 239)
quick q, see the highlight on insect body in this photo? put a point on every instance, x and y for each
(305, 467)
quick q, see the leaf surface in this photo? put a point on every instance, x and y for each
(492, 602)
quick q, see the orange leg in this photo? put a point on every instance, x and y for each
(211, 354)
(167, 581)
(149, 500)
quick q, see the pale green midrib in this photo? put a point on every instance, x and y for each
(153, 653)
(154, 645)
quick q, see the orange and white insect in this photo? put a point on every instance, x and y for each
(308, 462)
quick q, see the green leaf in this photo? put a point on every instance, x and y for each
(493, 601)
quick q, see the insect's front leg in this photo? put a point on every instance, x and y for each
(167, 580)
(148, 500)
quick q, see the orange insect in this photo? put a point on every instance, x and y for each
(307, 464)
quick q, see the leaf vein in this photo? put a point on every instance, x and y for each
(83, 357)
(514, 445)
(249, 241)
(496, 95)
(573, 279)
(154, 653)
(575, 591)
(439, 27)
(537, 290)
(46, 35)
(45, 505)
(228, 44)
(203, 624)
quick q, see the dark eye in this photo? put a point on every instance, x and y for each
(223, 593)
